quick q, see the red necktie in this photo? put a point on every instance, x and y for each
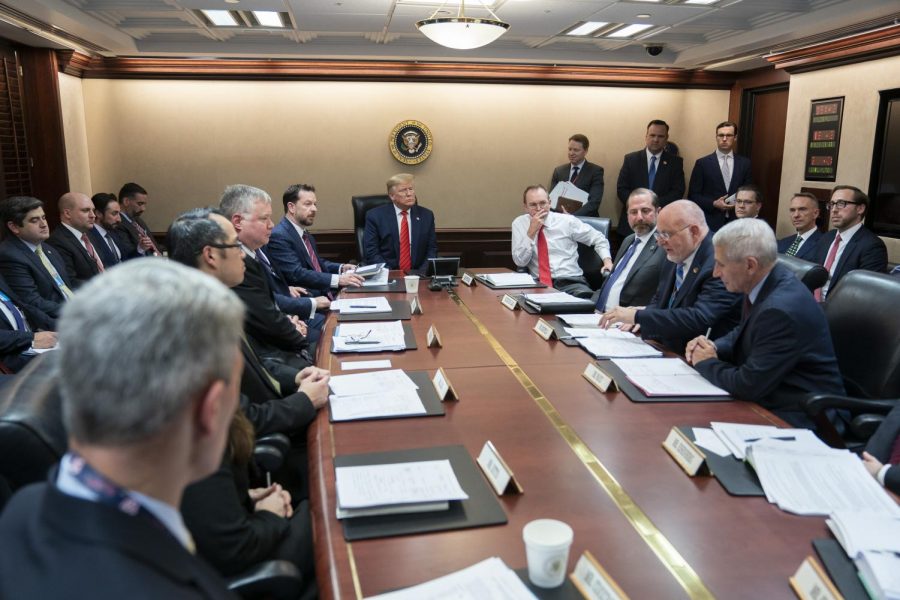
(312, 255)
(91, 252)
(829, 262)
(543, 259)
(405, 259)
(895, 453)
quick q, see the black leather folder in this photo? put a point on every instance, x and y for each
(737, 477)
(840, 569)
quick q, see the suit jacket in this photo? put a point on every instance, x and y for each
(807, 251)
(702, 302)
(107, 256)
(128, 238)
(31, 282)
(780, 352)
(865, 250)
(707, 186)
(288, 253)
(381, 239)
(77, 547)
(668, 183)
(13, 342)
(643, 278)
(79, 264)
(590, 179)
(882, 443)
(301, 306)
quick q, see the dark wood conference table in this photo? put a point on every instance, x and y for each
(591, 459)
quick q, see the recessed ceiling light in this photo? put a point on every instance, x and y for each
(586, 28)
(644, 16)
(700, 1)
(630, 30)
(232, 1)
(220, 18)
(268, 18)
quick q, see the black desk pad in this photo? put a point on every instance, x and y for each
(409, 337)
(392, 286)
(840, 569)
(737, 477)
(567, 591)
(400, 311)
(480, 509)
(427, 394)
(636, 395)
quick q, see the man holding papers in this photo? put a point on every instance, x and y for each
(547, 243)
(782, 349)
(582, 174)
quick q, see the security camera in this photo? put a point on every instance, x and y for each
(653, 50)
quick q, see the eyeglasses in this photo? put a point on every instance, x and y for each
(663, 236)
(537, 206)
(842, 204)
(222, 246)
(744, 202)
(724, 135)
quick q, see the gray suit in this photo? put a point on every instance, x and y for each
(643, 278)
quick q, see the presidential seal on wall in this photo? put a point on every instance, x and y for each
(410, 142)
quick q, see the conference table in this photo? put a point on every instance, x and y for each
(594, 460)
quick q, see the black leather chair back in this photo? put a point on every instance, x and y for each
(864, 321)
(32, 435)
(362, 205)
(813, 275)
(588, 260)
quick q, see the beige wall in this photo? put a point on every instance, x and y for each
(859, 84)
(75, 130)
(185, 140)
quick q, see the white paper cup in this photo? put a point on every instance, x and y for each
(547, 543)
(412, 284)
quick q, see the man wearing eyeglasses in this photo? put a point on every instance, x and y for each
(689, 300)
(748, 202)
(717, 176)
(849, 245)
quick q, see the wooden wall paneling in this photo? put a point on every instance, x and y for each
(764, 144)
(847, 50)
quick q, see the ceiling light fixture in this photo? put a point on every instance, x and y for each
(462, 32)
(268, 18)
(630, 30)
(220, 18)
(587, 28)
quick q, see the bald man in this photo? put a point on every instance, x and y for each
(70, 239)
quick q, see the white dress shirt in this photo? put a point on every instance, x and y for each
(615, 291)
(846, 236)
(77, 235)
(563, 233)
(107, 237)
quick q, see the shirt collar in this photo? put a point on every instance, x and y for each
(756, 288)
(720, 155)
(248, 251)
(646, 237)
(579, 165)
(689, 261)
(32, 247)
(101, 230)
(398, 210)
(649, 154)
(846, 235)
(299, 229)
(74, 231)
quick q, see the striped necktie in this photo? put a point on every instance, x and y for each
(53, 273)
(679, 279)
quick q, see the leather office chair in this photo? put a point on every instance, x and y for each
(362, 205)
(865, 330)
(812, 275)
(588, 260)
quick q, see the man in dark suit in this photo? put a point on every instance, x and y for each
(400, 234)
(653, 168)
(635, 277)
(584, 175)
(782, 350)
(34, 270)
(849, 246)
(748, 201)
(717, 176)
(804, 212)
(76, 219)
(107, 218)
(688, 300)
(882, 455)
(293, 249)
(133, 236)
(107, 524)
(17, 338)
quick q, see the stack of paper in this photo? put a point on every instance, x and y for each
(554, 298)
(356, 306)
(666, 377)
(372, 395)
(380, 278)
(369, 270)
(507, 279)
(490, 579)
(614, 344)
(873, 542)
(880, 574)
(580, 320)
(397, 488)
(380, 336)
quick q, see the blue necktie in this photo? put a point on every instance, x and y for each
(16, 313)
(604, 295)
(679, 279)
(651, 175)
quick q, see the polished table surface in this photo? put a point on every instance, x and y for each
(591, 459)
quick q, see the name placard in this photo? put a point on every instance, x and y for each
(688, 456)
(811, 583)
(497, 471)
(544, 329)
(414, 307)
(598, 378)
(468, 279)
(593, 581)
(433, 338)
(443, 386)
(509, 302)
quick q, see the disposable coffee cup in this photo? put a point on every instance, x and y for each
(412, 284)
(547, 543)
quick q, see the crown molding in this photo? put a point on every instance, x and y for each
(880, 43)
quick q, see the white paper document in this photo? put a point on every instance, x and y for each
(381, 278)
(399, 483)
(490, 579)
(880, 573)
(617, 347)
(738, 436)
(596, 332)
(359, 365)
(708, 440)
(579, 320)
(507, 279)
(354, 306)
(371, 383)
(378, 336)
(401, 401)
(568, 190)
(667, 377)
(554, 298)
(861, 531)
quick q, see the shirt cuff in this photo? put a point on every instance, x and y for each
(312, 310)
(882, 473)
(335, 280)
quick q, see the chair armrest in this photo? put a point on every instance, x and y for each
(276, 579)
(863, 427)
(268, 458)
(814, 404)
(279, 441)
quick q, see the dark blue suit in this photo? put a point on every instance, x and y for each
(107, 256)
(807, 251)
(31, 282)
(13, 342)
(865, 250)
(668, 182)
(702, 302)
(780, 352)
(382, 236)
(707, 186)
(881, 444)
(301, 306)
(288, 253)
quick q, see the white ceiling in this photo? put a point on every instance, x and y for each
(736, 32)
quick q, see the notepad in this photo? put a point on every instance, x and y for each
(507, 279)
(370, 383)
(666, 377)
(377, 304)
(391, 403)
(397, 483)
(378, 336)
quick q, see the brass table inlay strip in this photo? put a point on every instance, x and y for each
(653, 537)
